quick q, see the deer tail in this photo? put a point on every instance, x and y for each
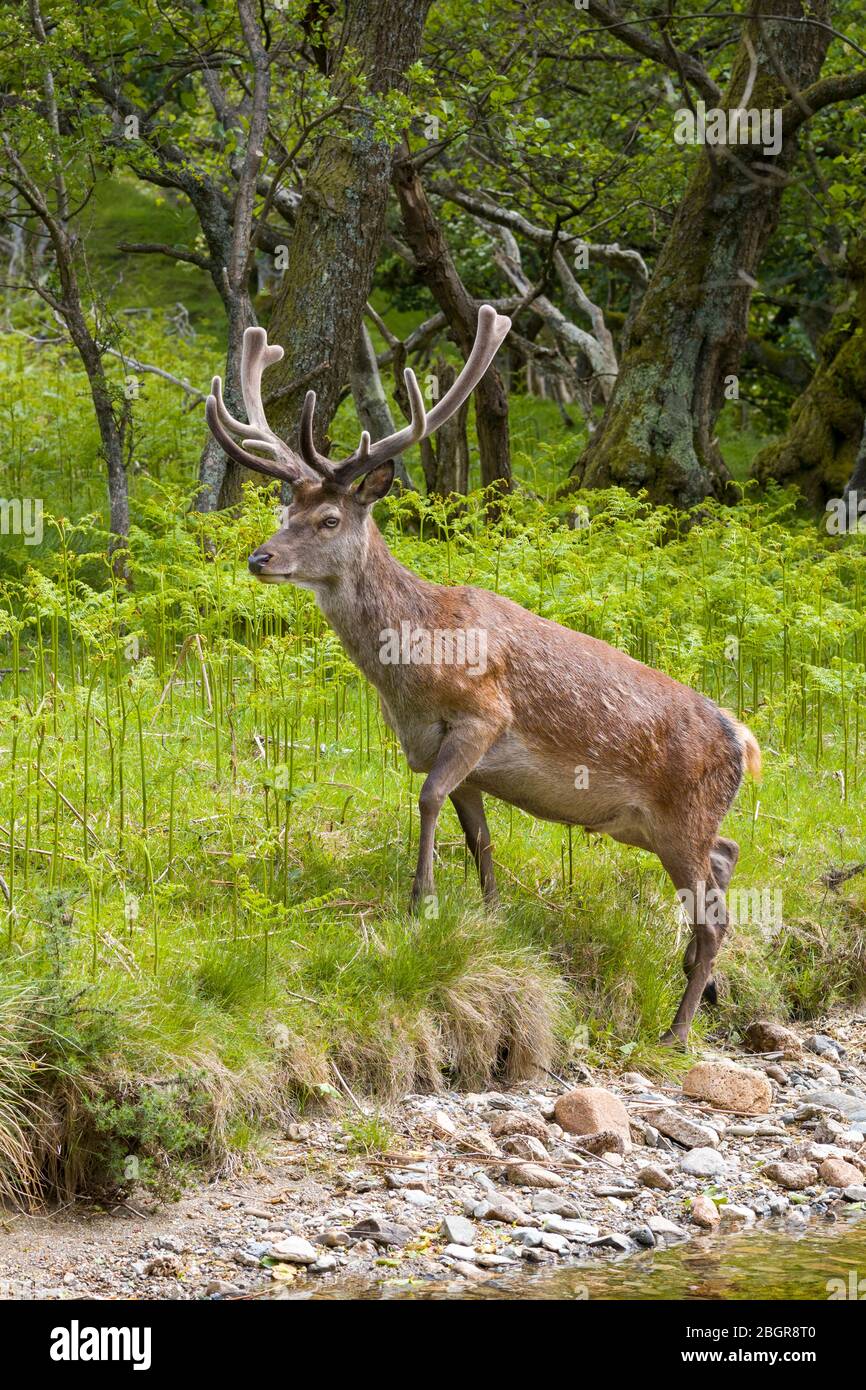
(748, 744)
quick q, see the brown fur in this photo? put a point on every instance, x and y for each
(662, 763)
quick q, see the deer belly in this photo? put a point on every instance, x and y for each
(554, 789)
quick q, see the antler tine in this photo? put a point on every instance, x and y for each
(368, 455)
(309, 452)
(491, 330)
(284, 465)
(256, 355)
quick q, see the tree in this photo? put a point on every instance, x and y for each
(690, 331)
(334, 247)
(165, 151)
(44, 137)
(821, 445)
(437, 269)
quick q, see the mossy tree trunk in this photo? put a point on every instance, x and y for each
(819, 449)
(338, 230)
(658, 431)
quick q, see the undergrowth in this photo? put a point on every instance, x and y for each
(206, 829)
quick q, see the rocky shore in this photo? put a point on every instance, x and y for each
(474, 1186)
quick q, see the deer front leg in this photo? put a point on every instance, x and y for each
(461, 750)
(469, 805)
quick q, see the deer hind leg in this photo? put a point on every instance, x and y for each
(723, 858)
(469, 805)
(704, 900)
(460, 751)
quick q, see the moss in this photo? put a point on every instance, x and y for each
(825, 424)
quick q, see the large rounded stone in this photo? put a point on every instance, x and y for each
(765, 1036)
(589, 1109)
(793, 1176)
(729, 1087)
(837, 1172)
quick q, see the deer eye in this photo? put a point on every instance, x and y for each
(331, 521)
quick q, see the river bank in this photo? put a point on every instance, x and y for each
(473, 1187)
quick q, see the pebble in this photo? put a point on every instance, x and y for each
(683, 1130)
(793, 1176)
(704, 1163)
(705, 1213)
(653, 1176)
(457, 1230)
(531, 1175)
(294, 1251)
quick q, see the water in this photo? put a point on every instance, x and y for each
(766, 1264)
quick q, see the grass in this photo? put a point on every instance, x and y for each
(205, 829)
(207, 833)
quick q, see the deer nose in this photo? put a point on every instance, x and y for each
(258, 560)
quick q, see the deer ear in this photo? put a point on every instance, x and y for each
(375, 484)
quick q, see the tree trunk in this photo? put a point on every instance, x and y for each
(445, 456)
(221, 479)
(111, 437)
(371, 403)
(820, 447)
(338, 230)
(439, 273)
(658, 431)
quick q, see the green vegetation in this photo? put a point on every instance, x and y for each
(205, 826)
(206, 830)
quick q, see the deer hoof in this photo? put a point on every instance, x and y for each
(671, 1039)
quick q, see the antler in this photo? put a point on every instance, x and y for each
(311, 465)
(256, 355)
(491, 331)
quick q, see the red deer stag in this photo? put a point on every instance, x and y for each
(545, 718)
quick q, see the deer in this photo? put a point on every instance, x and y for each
(553, 721)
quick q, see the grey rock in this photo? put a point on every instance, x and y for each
(419, 1199)
(643, 1235)
(613, 1241)
(381, 1232)
(705, 1163)
(558, 1244)
(294, 1250)
(824, 1046)
(494, 1261)
(735, 1218)
(584, 1229)
(555, 1202)
(855, 1193)
(675, 1125)
(660, 1226)
(527, 1236)
(458, 1230)
(459, 1252)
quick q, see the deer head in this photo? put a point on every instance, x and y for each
(326, 526)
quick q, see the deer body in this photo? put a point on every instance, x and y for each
(552, 721)
(573, 730)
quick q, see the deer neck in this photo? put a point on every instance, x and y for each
(362, 607)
